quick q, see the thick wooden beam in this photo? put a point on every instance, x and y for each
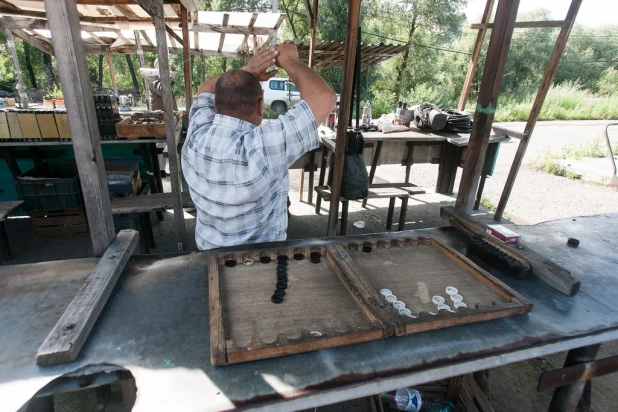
(85, 19)
(186, 46)
(22, 23)
(474, 59)
(112, 74)
(527, 24)
(20, 80)
(546, 82)
(173, 34)
(66, 339)
(126, 11)
(140, 57)
(577, 373)
(75, 79)
(44, 46)
(9, 6)
(145, 36)
(346, 102)
(155, 9)
(497, 52)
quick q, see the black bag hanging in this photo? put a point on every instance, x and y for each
(355, 184)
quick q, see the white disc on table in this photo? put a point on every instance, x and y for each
(438, 300)
(451, 290)
(386, 292)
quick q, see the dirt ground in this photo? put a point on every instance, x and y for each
(537, 197)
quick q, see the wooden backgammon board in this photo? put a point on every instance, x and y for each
(337, 293)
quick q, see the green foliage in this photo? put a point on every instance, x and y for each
(488, 204)
(608, 82)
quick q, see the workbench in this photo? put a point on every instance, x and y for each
(155, 325)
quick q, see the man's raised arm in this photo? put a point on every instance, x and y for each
(312, 87)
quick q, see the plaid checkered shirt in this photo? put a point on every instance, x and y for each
(238, 173)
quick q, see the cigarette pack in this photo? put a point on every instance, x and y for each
(502, 233)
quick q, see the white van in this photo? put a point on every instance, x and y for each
(280, 94)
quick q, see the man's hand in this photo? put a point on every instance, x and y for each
(260, 62)
(287, 53)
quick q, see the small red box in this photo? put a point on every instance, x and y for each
(502, 233)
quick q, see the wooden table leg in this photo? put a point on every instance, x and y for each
(11, 163)
(391, 211)
(302, 184)
(5, 248)
(318, 200)
(311, 176)
(449, 162)
(479, 193)
(156, 171)
(567, 397)
(403, 213)
(137, 222)
(374, 165)
(148, 229)
(409, 160)
(344, 218)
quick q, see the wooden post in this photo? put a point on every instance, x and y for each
(476, 52)
(548, 77)
(140, 57)
(112, 75)
(346, 102)
(313, 25)
(155, 9)
(63, 21)
(186, 53)
(20, 81)
(497, 52)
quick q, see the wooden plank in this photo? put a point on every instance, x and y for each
(344, 109)
(476, 52)
(14, 127)
(526, 24)
(44, 46)
(112, 74)
(155, 9)
(313, 21)
(217, 335)
(577, 373)
(66, 339)
(75, 78)
(549, 272)
(5, 133)
(126, 11)
(186, 46)
(173, 36)
(226, 18)
(47, 125)
(503, 131)
(493, 71)
(8, 207)
(479, 397)
(20, 81)
(546, 82)
(145, 35)
(215, 28)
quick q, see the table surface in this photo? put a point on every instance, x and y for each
(156, 325)
(15, 143)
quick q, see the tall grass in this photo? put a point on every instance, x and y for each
(566, 101)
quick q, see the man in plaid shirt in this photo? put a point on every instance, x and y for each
(235, 166)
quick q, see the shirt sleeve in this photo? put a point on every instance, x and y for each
(202, 113)
(289, 137)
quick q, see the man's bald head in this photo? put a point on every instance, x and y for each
(238, 94)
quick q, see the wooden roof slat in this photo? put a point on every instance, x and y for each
(145, 36)
(226, 18)
(126, 11)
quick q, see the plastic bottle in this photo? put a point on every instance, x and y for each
(411, 400)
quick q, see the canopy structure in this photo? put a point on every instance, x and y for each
(329, 54)
(114, 27)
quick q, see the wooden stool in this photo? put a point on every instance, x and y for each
(375, 192)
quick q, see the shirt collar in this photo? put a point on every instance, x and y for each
(233, 123)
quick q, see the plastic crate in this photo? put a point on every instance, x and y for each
(52, 185)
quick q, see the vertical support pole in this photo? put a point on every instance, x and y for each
(548, 77)
(313, 23)
(63, 21)
(20, 80)
(140, 57)
(155, 9)
(112, 75)
(358, 76)
(497, 52)
(346, 102)
(566, 398)
(476, 52)
(186, 49)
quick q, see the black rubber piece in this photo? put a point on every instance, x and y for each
(280, 292)
(282, 263)
(315, 260)
(265, 259)
(298, 256)
(495, 257)
(316, 255)
(573, 242)
(367, 249)
(282, 278)
(230, 263)
(282, 271)
(282, 285)
(276, 299)
(282, 257)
